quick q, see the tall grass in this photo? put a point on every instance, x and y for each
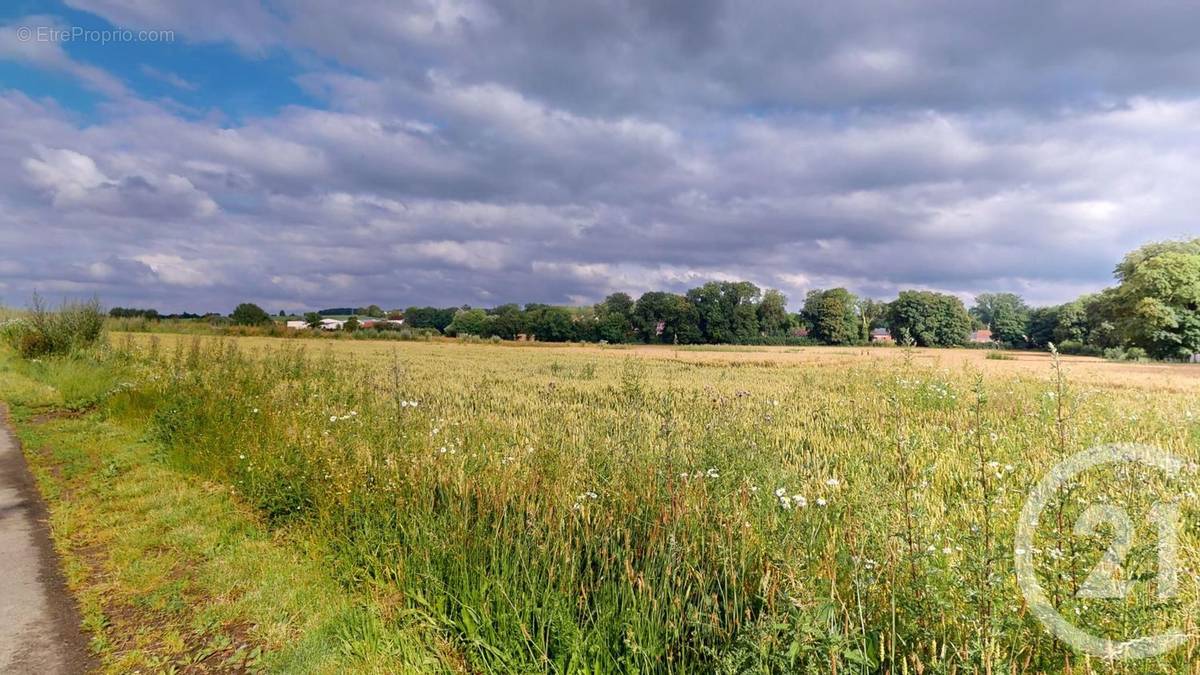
(43, 332)
(657, 516)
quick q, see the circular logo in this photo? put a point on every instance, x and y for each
(1103, 582)
(24, 33)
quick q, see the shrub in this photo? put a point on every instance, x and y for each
(44, 333)
(1078, 348)
(1125, 354)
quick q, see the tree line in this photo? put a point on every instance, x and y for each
(1153, 310)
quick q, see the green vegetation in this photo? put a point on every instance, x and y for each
(928, 319)
(173, 573)
(42, 332)
(1154, 308)
(524, 510)
(249, 314)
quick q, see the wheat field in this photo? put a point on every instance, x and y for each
(591, 509)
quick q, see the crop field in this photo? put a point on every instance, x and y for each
(572, 509)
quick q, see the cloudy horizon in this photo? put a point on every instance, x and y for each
(303, 154)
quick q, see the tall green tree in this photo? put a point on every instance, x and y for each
(549, 323)
(831, 316)
(773, 319)
(1006, 314)
(249, 314)
(717, 304)
(614, 319)
(507, 321)
(870, 315)
(677, 316)
(1157, 302)
(468, 322)
(929, 319)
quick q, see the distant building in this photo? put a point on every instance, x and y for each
(332, 324)
(299, 325)
(881, 335)
(981, 336)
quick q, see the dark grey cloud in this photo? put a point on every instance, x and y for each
(490, 152)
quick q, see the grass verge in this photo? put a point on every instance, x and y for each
(173, 573)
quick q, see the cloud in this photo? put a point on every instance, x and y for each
(168, 77)
(457, 152)
(26, 40)
(73, 182)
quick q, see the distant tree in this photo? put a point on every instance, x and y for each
(249, 314)
(551, 324)
(313, 319)
(507, 321)
(773, 319)
(673, 313)
(1042, 322)
(132, 312)
(468, 322)
(832, 316)
(930, 319)
(1157, 302)
(614, 319)
(282, 313)
(429, 317)
(717, 304)
(1006, 314)
(351, 324)
(870, 315)
(373, 311)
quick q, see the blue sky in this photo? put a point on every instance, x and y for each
(300, 153)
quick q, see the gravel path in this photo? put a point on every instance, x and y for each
(39, 622)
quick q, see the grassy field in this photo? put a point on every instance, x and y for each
(588, 509)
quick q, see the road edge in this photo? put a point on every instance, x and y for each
(68, 636)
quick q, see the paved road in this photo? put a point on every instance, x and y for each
(39, 623)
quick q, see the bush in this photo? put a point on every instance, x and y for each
(1125, 354)
(1077, 348)
(43, 332)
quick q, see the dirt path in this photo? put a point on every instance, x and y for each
(39, 623)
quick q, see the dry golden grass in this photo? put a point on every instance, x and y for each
(1093, 372)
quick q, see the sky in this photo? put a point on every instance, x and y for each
(301, 154)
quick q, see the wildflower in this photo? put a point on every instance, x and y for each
(712, 473)
(833, 482)
(821, 501)
(241, 457)
(799, 500)
(254, 410)
(780, 492)
(333, 418)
